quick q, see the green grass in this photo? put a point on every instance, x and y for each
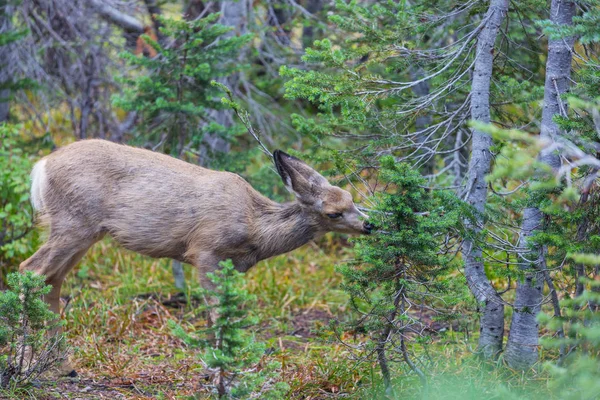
(116, 321)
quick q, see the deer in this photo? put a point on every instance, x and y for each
(161, 206)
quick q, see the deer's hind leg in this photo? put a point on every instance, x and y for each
(55, 259)
(67, 243)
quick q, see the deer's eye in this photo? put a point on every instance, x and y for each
(334, 215)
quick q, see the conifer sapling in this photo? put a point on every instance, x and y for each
(25, 322)
(228, 348)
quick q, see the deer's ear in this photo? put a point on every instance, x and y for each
(298, 177)
(278, 158)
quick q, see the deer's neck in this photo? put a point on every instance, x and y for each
(283, 227)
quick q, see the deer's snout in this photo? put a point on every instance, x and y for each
(368, 227)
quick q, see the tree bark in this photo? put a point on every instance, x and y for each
(235, 15)
(114, 16)
(177, 268)
(522, 346)
(423, 120)
(492, 317)
(5, 74)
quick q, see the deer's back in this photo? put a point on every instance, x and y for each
(149, 202)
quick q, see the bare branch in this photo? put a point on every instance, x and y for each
(114, 16)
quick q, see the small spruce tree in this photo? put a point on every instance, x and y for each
(16, 216)
(229, 350)
(25, 321)
(402, 268)
(173, 96)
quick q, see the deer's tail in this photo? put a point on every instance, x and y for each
(39, 183)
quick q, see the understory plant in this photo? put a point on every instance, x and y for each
(229, 350)
(404, 268)
(576, 374)
(172, 95)
(16, 214)
(27, 349)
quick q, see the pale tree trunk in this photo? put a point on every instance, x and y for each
(4, 105)
(522, 346)
(492, 317)
(235, 15)
(5, 74)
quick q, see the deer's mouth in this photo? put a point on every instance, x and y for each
(368, 228)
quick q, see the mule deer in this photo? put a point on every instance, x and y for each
(164, 207)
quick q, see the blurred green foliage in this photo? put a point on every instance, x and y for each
(577, 333)
(16, 213)
(172, 94)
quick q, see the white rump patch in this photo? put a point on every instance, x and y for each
(39, 182)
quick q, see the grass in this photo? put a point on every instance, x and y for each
(118, 304)
(116, 321)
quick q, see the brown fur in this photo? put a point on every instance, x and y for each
(163, 207)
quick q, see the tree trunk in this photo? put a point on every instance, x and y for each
(114, 16)
(235, 15)
(308, 33)
(177, 268)
(4, 105)
(5, 74)
(193, 9)
(422, 122)
(492, 318)
(522, 346)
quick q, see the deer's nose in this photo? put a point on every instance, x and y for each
(368, 227)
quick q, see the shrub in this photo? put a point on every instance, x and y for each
(25, 321)
(577, 374)
(403, 266)
(230, 351)
(16, 214)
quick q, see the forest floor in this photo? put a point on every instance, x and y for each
(117, 305)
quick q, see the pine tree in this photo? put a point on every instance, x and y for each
(25, 321)
(173, 95)
(403, 267)
(229, 350)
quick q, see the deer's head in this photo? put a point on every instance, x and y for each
(330, 205)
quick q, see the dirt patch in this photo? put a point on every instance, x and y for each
(143, 386)
(306, 323)
(302, 327)
(84, 389)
